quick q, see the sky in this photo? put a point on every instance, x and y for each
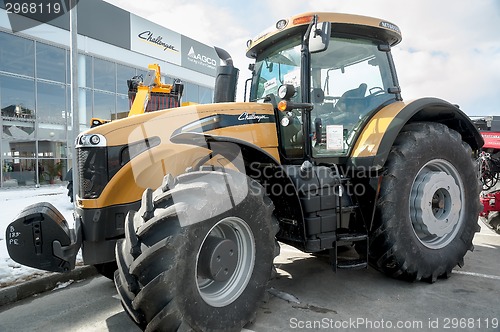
(450, 48)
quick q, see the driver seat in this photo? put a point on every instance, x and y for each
(351, 100)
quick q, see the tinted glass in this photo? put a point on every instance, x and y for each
(205, 95)
(17, 97)
(51, 103)
(50, 62)
(85, 107)
(122, 105)
(104, 105)
(88, 73)
(190, 92)
(104, 75)
(123, 73)
(17, 55)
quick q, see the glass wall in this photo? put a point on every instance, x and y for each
(35, 105)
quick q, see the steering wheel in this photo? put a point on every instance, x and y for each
(376, 90)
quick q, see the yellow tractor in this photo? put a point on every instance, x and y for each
(326, 154)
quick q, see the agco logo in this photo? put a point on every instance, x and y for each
(202, 58)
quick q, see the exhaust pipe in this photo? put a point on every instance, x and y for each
(226, 79)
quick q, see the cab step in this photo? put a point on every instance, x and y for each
(353, 262)
(351, 237)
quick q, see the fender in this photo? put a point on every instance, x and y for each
(267, 170)
(377, 137)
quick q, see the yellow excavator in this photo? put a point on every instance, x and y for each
(190, 202)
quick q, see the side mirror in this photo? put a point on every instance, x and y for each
(320, 37)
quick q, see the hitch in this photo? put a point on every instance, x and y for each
(40, 237)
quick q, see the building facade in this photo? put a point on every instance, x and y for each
(113, 46)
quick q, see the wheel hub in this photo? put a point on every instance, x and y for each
(225, 261)
(436, 203)
(218, 258)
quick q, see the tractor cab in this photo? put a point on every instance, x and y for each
(344, 70)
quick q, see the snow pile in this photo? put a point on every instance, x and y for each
(12, 201)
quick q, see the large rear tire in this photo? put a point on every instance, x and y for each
(198, 254)
(428, 208)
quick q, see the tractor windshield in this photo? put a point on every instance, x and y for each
(278, 65)
(348, 82)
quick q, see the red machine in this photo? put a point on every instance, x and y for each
(490, 214)
(489, 168)
(491, 141)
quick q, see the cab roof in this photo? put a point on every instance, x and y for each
(342, 23)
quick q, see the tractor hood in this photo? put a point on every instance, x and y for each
(197, 118)
(135, 153)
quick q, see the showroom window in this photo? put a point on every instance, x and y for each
(123, 74)
(50, 63)
(104, 75)
(104, 105)
(17, 97)
(17, 55)
(51, 103)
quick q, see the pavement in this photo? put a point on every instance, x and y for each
(44, 283)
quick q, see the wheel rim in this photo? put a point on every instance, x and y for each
(232, 234)
(436, 200)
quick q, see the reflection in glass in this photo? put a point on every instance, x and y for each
(85, 106)
(51, 170)
(17, 97)
(15, 129)
(51, 149)
(104, 75)
(17, 55)
(122, 106)
(190, 92)
(104, 105)
(50, 62)
(51, 103)
(18, 172)
(88, 71)
(205, 95)
(51, 131)
(123, 73)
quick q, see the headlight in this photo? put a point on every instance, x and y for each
(88, 140)
(94, 140)
(286, 91)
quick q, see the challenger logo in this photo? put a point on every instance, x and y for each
(252, 117)
(149, 37)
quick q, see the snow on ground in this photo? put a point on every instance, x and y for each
(12, 201)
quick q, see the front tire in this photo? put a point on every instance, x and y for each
(429, 204)
(198, 254)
